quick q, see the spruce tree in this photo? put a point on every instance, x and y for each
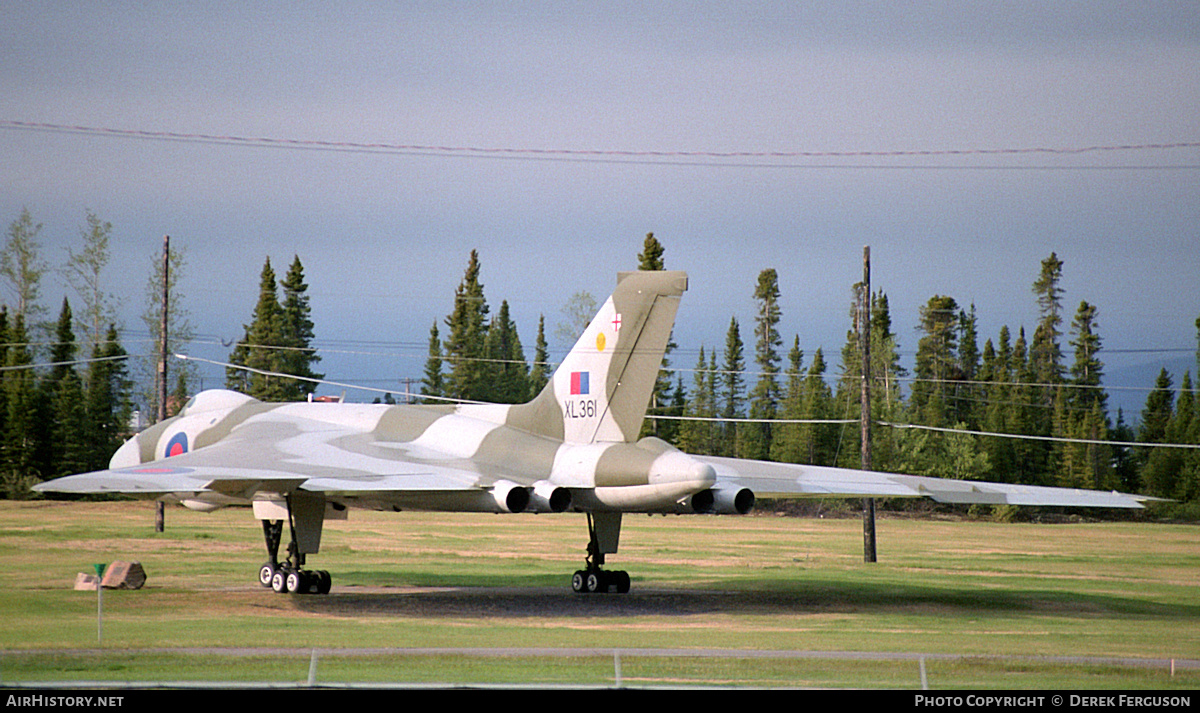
(1028, 415)
(967, 396)
(507, 372)
(433, 382)
(937, 361)
(997, 372)
(1045, 353)
(1083, 415)
(819, 440)
(712, 389)
(886, 373)
(1160, 466)
(262, 347)
(278, 340)
(1185, 429)
(697, 436)
(464, 344)
(733, 388)
(1124, 460)
(266, 336)
(69, 452)
(59, 428)
(669, 429)
(1190, 476)
(539, 373)
(239, 379)
(765, 398)
(107, 400)
(651, 256)
(785, 441)
(1045, 361)
(20, 442)
(298, 357)
(1087, 369)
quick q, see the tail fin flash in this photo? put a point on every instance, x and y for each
(601, 390)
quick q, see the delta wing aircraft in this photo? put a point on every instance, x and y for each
(573, 448)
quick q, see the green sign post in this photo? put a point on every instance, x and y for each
(99, 602)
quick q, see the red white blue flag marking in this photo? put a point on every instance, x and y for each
(177, 445)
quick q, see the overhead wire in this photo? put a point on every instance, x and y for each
(706, 158)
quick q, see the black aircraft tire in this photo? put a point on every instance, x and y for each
(579, 582)
(279, 582)
(265, 574)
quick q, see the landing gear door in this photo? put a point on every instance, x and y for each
(307, 517)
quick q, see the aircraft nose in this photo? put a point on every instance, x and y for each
(130, 453)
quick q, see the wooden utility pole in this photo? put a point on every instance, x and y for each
(161, 387)
(864, 338)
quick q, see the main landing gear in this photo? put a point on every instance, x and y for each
(603, 532)
(289, 575)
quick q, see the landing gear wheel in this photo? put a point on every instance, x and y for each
(594, 579)
(289, 575)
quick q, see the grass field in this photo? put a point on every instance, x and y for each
(1010, 601)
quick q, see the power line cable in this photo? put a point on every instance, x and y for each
(714, 159)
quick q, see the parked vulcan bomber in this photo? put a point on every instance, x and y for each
(572, 449)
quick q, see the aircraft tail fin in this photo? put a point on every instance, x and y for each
(601, 390)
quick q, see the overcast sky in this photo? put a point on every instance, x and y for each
(658, 92)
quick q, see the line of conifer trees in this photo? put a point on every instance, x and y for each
(1015, 386)
(71, 414)
(785, 409)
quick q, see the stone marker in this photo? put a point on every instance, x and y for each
(85, 582)
(118, 575)
(124, 575)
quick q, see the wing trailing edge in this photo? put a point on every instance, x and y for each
(784, 480)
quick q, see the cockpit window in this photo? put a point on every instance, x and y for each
(216, 399)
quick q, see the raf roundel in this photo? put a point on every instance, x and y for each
(178, 445)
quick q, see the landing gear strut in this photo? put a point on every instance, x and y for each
(289, 575)
(593, 579)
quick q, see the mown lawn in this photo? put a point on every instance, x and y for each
(1014, 599)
